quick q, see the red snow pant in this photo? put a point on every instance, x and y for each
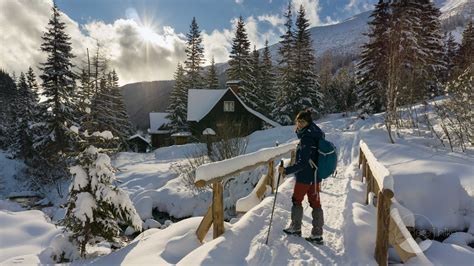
(311, 190)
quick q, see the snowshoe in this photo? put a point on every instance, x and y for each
(318, 240)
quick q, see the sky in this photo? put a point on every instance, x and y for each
(144, 40)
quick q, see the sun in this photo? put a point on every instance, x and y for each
(147, 33)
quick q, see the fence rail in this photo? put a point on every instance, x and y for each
(391, 227)
(215, 213)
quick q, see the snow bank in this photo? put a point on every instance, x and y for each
(24, 235)
(217, 169)
(246, 203)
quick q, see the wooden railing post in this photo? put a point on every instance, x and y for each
(384, 201)
(217, 209)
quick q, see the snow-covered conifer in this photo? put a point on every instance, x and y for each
(96, 207)
(212, 79)
(194, 57)
(177, 108)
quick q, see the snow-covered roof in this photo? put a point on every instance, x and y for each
(201, 102)
(181, 134)
(208, 131)
(140, 137)
(156, 121)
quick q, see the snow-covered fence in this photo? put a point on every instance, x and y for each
(216, 172)
(392, 218)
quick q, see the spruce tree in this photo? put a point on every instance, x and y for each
(177, 109)
(466, 55)
(96, 207)
(372, 69)
(54, 142)
(28, 106)
(212, 79)
(431, 43)
(194, 57)
(307, 89)
(256, 81)
(284, 83)
(267, 80)
(120, 124)
(8, 94)
(240, 67)
(450, 52)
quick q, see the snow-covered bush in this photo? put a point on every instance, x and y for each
(456, 113)
(95, 205)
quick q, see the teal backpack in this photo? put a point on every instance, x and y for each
(327, 159)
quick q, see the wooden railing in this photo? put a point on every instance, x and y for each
(215, 213)
(391, 228)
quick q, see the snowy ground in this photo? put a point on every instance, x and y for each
(440, 188)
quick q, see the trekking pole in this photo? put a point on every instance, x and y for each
(274, 201)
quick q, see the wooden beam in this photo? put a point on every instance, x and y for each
(217, 209)
(205, 225)
(384, 200)
(202, 183)
(396, 239)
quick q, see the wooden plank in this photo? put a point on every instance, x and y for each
(205, 225)
(384, 201)
(271, 175)
(217, 209)
(396, 238)
(364, 169)
(202, 183)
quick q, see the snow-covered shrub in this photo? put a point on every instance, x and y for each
(95, 205)
(457, 112)
(61, 249)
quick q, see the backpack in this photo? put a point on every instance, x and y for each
(327, 159)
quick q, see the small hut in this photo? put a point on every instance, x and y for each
(139, 143)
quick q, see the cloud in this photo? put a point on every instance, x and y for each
(136, 51)
(358, 6)
(274, 20)
(239, 2)
(312, 10)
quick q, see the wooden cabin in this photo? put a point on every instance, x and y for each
(160, 134)
(224, 112)
(138, 143)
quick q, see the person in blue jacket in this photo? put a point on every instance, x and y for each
(306, 184)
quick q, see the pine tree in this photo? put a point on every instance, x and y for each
(307, 89)
(267, 81)
(465, 56)
(240, 67)
(194, 57)
(32, 84)
(372, 69)
(256, 81)
(54, 142)
(178, 102)
(96, 207)
(431, 43)
(120, 124)
(8, 94)
(28, 106)
(212, 79)
(284, 83)
(450, 52)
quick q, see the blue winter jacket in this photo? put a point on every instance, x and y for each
(309, 137)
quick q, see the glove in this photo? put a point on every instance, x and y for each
(281, 170)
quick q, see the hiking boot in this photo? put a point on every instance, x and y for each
(316, 239)
(292, 230)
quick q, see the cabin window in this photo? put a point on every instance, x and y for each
(228, 106)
